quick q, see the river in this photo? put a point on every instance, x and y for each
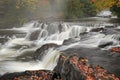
(18, 44)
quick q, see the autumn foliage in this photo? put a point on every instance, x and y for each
(103, 4)
(91, 72)
(14, 12)
(115, 49)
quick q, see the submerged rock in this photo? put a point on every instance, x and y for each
(70, 40)
(110, 31)
(34, 35)
(97, 29)
(104, 44)
(42, 50)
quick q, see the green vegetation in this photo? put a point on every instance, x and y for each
(13, 12)
(79, 8)
(116, 8)
(103, 4)
(113, 5)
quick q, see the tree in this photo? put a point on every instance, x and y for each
(79, 8)
(15, 11)
(103, 4)
(116, 10)
(88, 8)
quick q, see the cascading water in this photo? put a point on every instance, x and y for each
(16, 53)
(15, 47)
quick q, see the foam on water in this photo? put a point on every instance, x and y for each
(48, 62)
(17, 66)
(49, 33)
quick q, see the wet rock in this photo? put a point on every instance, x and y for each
(112, 26)
(91, 72)
(29, 75)
(78, 68)
(97, 29)
(52, 29)
(43, 25)
(42, 50)
(60, 27)
(104, 44)
(61, 60)
(84, 33)
(69, 72)
(115, 49)
(115, 52)
(70, 40)
(34, 35)
(26, 56)
(69, 67)
(110, 31)
(37, 24)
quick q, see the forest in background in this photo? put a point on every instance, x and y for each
(17, 12)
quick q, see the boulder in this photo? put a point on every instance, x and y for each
(29, 75)
(78, 68)
(60, 27)
(70, 67)
(70, 40)
(97, 29)
(42, 50)
(104, 44)
(34, 35)
(110, 31)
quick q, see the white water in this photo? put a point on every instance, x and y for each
(48, 62)
(47, 34)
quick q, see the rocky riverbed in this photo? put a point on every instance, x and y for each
(62, 51)
(72, 67)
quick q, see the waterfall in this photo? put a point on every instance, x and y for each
(50, 59)
(60, 33)
(16, 53)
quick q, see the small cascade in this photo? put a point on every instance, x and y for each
(60, 32)
(76, 30)
(50, 59)
(39, 34)
(52, 28)
(43, 34)
(115, 38)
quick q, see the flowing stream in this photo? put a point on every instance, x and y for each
(19, 44)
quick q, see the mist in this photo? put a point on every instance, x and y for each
(49, 9)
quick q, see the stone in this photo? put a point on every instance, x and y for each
(34, 35)
(29, 75)
(42, 50)
(97, 29)
(78, 68)
(104, 44)
(69, 67)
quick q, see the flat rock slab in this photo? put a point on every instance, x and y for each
(100, 57)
